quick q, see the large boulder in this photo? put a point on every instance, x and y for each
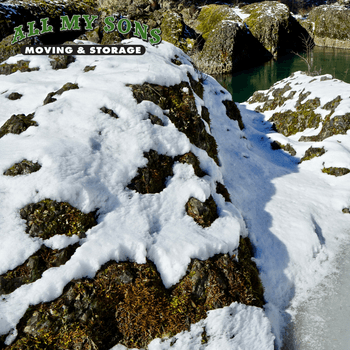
(331, 25)
(229, 45)
(272, 24)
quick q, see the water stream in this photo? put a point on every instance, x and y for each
(244, 83)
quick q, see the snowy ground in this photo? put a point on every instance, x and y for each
(291, 212)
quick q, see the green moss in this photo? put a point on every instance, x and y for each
(48, 218)
(313, 152)
(336, 171)
(212, 15)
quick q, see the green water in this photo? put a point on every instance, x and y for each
(243, 84)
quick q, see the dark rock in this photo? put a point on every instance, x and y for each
(346, 210)
(66, 87)
(23, 168)
(109, 112)
(204, 213)
(17, 124)
(155, 120)
(151, 179)
(89, 68)
(61, 61)
(233, 112)
(190, 158)
(14, 96)
(221, 189)
(22, 66)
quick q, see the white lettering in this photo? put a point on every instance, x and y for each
(106, 50)
(39, 50)
(92, 50)
(130, 50)
(122, 50)
(29, 50)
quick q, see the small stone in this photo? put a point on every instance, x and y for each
(14, 96)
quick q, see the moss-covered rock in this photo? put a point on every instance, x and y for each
(17, 124)
(22, 66)
(48, 218)
(7, 49)
(151, 179)
(23, 168)
(33, 268)
(313, 152)
(127, 303)
(271, 23)
(203, 213)
(66, 87)
(180, 102)
(290, 122)
(336, 171)
(331, 25)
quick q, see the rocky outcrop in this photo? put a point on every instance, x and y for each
(272, 25)
(331, 25)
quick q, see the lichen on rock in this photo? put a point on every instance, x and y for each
(17, 124)
(336, 171)
(313, 152)
(23, 168)
(48, 218)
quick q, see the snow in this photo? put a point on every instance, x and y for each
(292, 213)
(88, 158)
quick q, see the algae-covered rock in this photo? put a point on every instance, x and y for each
(180, 102)
(23, 168)
(331, 25)
(313, 152)
(33, 268)
(151, 179)
(204, 213)
(126, 303)
(48, 218)
(271, 23)
(17, 124)
(336, 171)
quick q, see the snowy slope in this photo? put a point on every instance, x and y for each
(88, 159)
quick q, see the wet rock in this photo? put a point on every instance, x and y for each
(336, 171)
(180, 102)
(233, 112)
(66, 87)
(152, 178)
(14, 96)
(23, 168)
(48, 218)
(17, 124)
(204, 213)
(313, 152)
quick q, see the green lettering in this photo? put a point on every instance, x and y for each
(32, 32)
(72, 24)
(44, 27)
(127, 26)
(89, 21)
(140, 30)
(109, 27)
(155, 34)
(19, 35)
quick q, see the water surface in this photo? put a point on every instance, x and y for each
(244, 83)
